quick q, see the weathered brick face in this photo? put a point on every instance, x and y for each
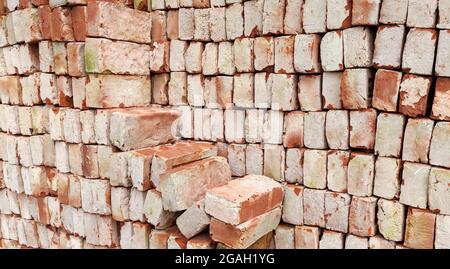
(173, 124)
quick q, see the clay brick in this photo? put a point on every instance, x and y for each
(95, 196)
(120, 198)
(307, 237)
(358, 47)
(337, 129)
(419, 50)
(175, 201)
(315, 169)
(356, 242)
(414, 92)
(284, 54)
(336, 211)
(253, 18)
(79, 22)
(365, 12)
(284, 91)
(225, 59)
(393, 11)
(186, 23)
(274, 161)
(45, 21)
(177, 88)
(361, 168)
(363, 128)
(195, 90)
(332, 51)
(391, 217)
(177, 50)
(158, 238)
(254, 159)
(194, 220)
(117, 57)
(46, 62)
(159, 26)
(417, 138)
(173, 24)
(389, 134)
(439, 154)
(267, 192)
(26, 25)
(441, 94)
(314, 207)
(293, 205)
(243, 55)
(314, 15)
(438, 193)
(444, 15)
(314, 130)
(339, 14)
(284, 237)
(129, 126)
(331, 90)
(442, 235)
(337, 165)
(355, 85)
(331, 240)
(201, 25)
(247, 233)
(389, 47)
(306, 53)
(109, 91)
(379, 242)
(217, 24)
(292, 18)
(202, 241)
(414, 187)
(293, 129)
(419, 231)
(243, 91)
(234, 15)
(385, 90)
(160, 88)
(422, 13)
(234, 125)
(254, 124)
(441, 66)
(218, 92)
(154, 212)
(61, 24)
(273, 17)
(387, 178)
(362, 216)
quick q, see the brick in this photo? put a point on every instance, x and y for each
(309, 95)
(363, 128)
(314, 207)
(337, 165)
(103, 55)
(173, 24)
(194, 220)
(46, 63)
(331, 240)
(195, 90)
(218, 92)
(355, 85)
(95, 223)
(247, 233)
(422, 13)
(356, 242)
(393, 11)
(284, 237)
(314, 130)
(337, 129)
(253, 18)
(134, 235)
(358, 47)
(414, 92)
(293, 205)
(45, 19)
(254, 159)
(234, 15)
(64, 91)
(307, 237)
(186, 23)
(160, 88)
(217, 24)
(159, 26)
(389, 134)
(136, 205)
(236, 159)
(443, 20)
(284, 92)
(202, 241)
(243, 90)
(243, 55)
(441, 66)
(292, 20)
(438, 149)
(389, 47)
(391, 217)
(284, 54)
(336, 211)
(416, 142)
(274, 162)
(314, 15)
(315, 169)
(225, 59)
(79, 22)
(379, 242)
(95, 195)
(136, 118)
(419, 231)
(26, 25)
(177, 88)
(442, 235)
(61, 24)
(339, 14)
(234, 125)
(366, 12)
(62, 157)
(386, 89)
(438, 193)
(118, 171)
(332, 51)
(414, 186)
(60, 58)
(25, 120)
(113, 21)
(264, 54)
(331, 90)
(361, 168)
(210, 59)
(154, 212)
(175, 201)
(158, 238)
(72, 126)
(387, 178)
(293, 129)
(273, 17)
(120, 198)
(419, 51)
(441, 94)
(362, 216)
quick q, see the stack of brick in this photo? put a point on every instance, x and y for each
(346, 104)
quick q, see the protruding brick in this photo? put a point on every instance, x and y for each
(194, 220)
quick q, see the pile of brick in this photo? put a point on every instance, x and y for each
(225, 124)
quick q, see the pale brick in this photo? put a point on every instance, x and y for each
(273, 17)
(315, 169)
(284, 91)
(422, 13)
(243, 54)
(234, 125)
(284, 237)
(274, 162)
(234, 15)
(419, 50)
(254, 123)
(416, 142)
(293, 205)
(442, 235)
(389, 47)
(337, 166)
(393, 11)
(387, 178)
(225, 60)
(331, 90)
(332, 51)
(201, 24)
(391, 217)
(362, 216)
(243, 90)
(217, 24)
(186, 23)
(361, 168)
(314, 15)
(339, 14)
(194, 220)
(336, 211)
(253, 18)
(154, 212)
(314, 207)
(314, 130)
(379, 242)
(355, 88)
(439, 154)
(358, 47)
(414, 187)
(254, 159)
(337, 129)
(363, 128)
(331, 240)
(365, 12)
(284, 54)
(389, 134)
(293, 129)
(356, 242)
(438, 193)
(120, 198)
(307, 237)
